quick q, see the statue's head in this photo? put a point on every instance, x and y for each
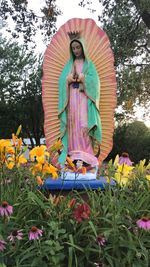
(77, 49)
(76, 45)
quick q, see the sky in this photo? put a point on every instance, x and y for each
(70, 9)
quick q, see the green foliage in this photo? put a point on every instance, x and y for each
(15, 63)
(133, 138)
(20, 94)
(66, 242)
(127, 23)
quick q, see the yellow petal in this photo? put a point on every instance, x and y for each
(116, 161)
(22, 159)
(148, 177)
(10, 164)
(18, 130)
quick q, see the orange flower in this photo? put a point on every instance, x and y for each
(39, 180)
(83, 170)
(71, 203)
(70, 163)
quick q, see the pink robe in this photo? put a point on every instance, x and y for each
(79, 142)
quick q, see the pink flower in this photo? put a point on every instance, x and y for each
(35, 233)
(81, 212)
(101, 241)
(124, 159)
(5, 209)
(144, 223)
(15, 235)
(2, 245)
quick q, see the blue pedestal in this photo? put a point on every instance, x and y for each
(76, 184)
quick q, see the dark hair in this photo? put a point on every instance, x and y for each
(75, 40)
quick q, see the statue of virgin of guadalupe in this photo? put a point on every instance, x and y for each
(79, 96)
(79, 92)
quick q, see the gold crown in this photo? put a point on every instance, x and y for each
(74, 35)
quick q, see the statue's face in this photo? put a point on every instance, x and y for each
(77, 49)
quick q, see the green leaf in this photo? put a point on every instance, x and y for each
(93, 228)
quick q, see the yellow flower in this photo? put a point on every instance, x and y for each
(16, 142)
(141, 166)
(36, 168)
(15, 161)
(122, 180)
(10, 163)
(122, 174)
(19, 130)
(55, 175)
(38, 152)
(56, 146)
(41, 159)
(21, 160)
(148, 171)
(148, 167)
(10, 150)
(70, 163)
(124, 169)
(116, 161)
(148, 177)
(5, 147)
(48, 168)
(4, 143)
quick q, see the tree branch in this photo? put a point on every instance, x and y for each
(145, 15)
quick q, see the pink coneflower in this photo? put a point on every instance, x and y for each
(81, 212)
(124, 159)
(2, 245)
(15, 235)
(5, 209)
(101, 241)
(35, 233)
(144, 223)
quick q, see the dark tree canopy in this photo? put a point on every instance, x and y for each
(20, 92)
(133, 138)
(127, 23)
